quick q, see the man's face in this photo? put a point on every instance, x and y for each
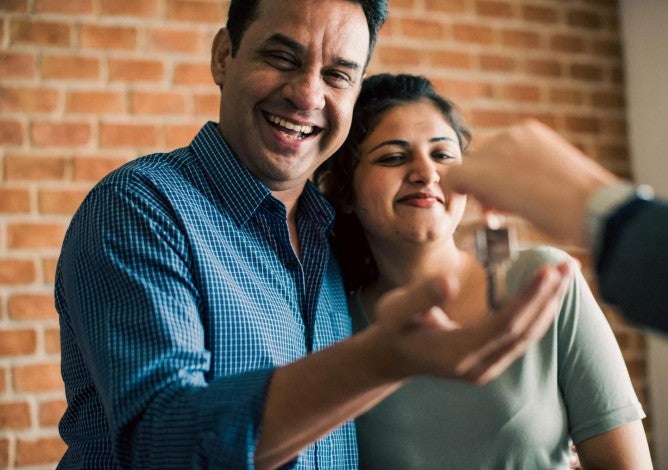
(288, 94)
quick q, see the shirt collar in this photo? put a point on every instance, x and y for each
(241, 192)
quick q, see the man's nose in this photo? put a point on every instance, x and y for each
(306, 91)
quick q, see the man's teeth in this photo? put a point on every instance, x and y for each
(292, 126)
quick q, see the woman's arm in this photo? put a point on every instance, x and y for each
(624, 447)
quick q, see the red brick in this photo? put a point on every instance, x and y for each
(544, 67)
(142, 102)
(497, 63)
(32, 168)
(494, 9)
(17, 65)
(41, 33)
(11, 132)
(28, 100)
(464, 90)
(567, 43)
(94, 168)
(521, 92)
(174, 40)
(41, 377)
(15, 6)
(52, 341)
(35, 235)
(586, 72)
(566, 95)
(198, 11)
(49, 269)
(399, 56)
(17, 342)
(423, 29)
(611, 48)
(608, 100)
(47, 450)
(70, 7)
(521, 39)
(539, 14)
(63, 201)
(145, 8)
(108, 37)
(582, 124)
(95, 102)
(3, 385)
(492, 118)
(128, 135)
(612, 152)
(584, 19)
(60, 134)
(449, 6)
(614, 127)
(207, 105)
(450, 59)
(5, 443)
(192, 74)
(14, 201)
(51, 411)
(16, 271)
(473, 33)
(14, 416)
(180, 136)
(70, 67)
(135, 70)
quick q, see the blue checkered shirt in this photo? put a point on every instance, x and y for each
(179, 293)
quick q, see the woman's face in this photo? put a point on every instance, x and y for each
(397, 181)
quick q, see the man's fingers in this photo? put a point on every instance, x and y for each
(520, 324)
(397, 308)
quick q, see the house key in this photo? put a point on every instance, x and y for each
(496, 248)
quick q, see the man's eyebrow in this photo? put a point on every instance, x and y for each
(299, 48)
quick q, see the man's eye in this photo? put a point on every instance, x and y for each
(281, 61)
(338, 79)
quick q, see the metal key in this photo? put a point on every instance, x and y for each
(495, 249)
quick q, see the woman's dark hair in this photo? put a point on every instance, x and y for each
(379, 93)
(243, 12)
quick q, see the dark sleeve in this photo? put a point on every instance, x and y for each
(632, 267)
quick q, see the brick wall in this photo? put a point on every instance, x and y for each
(86, 85)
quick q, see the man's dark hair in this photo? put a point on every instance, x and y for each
(243, 12)
(379, 94)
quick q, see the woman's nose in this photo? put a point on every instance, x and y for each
(423, 171)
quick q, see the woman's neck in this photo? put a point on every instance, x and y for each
(400, 265)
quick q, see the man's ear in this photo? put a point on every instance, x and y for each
(221, 50)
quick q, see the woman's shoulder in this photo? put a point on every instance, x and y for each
(529, 261)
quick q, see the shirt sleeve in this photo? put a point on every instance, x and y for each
(633, 270)
(593, 378)
(132, 304)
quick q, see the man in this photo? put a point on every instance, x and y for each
(203, 318)
(569, 196)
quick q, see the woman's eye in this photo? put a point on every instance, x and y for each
(391, 160)
(442, 156)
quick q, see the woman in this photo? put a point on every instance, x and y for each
(396, 223)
